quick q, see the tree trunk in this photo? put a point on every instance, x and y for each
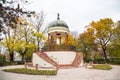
(95, 61)
(86, 55)
(23, 58)
(105, 55)
(38, 46)
(11, 57)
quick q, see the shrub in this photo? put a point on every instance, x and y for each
(2, 60)
(115, 62)
(6, 63)
(101, 66)
(32, 71)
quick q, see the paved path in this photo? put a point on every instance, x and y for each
(65, 74)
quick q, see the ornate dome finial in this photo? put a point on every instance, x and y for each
(58, 16)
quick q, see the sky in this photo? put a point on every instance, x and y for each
(76, 13)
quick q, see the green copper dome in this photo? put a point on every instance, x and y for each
(58, 23)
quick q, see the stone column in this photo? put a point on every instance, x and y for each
(66, 42)
(55, 40)
(60, 40)
(49, 42)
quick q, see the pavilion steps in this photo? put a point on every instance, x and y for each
(47, 58)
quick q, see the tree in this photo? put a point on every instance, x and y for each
(20, 38)
(71, 42)
(86, 43)
(9, 22)
(40, 30)
(25, 37)
(10, 15)
(75, 39)
(114, 45)
(10, 40)
(103, 32)
(25, 49)
(9, 43)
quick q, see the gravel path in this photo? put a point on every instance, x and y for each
(65, 74)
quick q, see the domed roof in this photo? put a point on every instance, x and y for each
(58, 26)
(59, 23)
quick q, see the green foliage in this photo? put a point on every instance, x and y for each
(114, 45)
(30, 49)
(24, 49)
(31, 71)
(10, 44)
(2, 58)
(114, 51)
(103, 33)
(39, 35)
(86, 43)
(101, 66)
(71, 43)
(71, 40)
(8, 63)
(114, 61)
(97, 37)
(72, 48)
(18, 30)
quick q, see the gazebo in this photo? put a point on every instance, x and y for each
(56, 30)
(54, 57)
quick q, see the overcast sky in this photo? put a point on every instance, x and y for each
(77, 13)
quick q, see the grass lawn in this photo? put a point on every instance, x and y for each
(101, 66)
(31, 71)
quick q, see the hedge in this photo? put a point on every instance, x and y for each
(32, 71)
(101, 66)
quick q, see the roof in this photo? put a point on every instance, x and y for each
(58, 23)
